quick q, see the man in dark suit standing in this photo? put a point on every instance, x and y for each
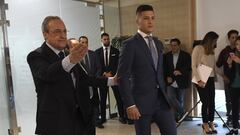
(177, 67)
(93, 68)
(108, 58)
(63, 98)
(141, 78)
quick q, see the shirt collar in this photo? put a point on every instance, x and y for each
(177, 53)
(104, 47)
(53, 49)
(144, 35)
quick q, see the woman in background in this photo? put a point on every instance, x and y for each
(204, 54)
(234, 65)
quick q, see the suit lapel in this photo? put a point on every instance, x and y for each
(49, 53)
(171, 61)
(159, 50)
(110, 56)
(144, 46)
(179, 58)
(101, 56)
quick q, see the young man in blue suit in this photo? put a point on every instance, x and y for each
(141, 78)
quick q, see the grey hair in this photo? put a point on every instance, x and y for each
(46, 22)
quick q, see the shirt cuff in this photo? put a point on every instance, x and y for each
(131, 107)
(111, 81)
(67, 65)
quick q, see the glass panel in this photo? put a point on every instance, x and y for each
(4, 109)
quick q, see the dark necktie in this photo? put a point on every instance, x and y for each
(106, 57)
(61, 55)
(87, 63)
(153, 51)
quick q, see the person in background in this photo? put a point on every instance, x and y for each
(222, 62)
(94, 69)
(204, 54)
(234, 65)
(108, 57)
(177, 67)
(141, 78)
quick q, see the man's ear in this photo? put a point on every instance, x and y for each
(45, 35)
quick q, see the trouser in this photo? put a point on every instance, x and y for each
(207, 97)
(235, 96)
(103, 99)
(177, 96)
(227, 98)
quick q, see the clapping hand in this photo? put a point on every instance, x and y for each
(108, 74)
(77, 51)
(177, 72)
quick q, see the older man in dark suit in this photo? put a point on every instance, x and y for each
(141, 78)
(62, 86)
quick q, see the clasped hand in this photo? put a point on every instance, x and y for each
(77, 51)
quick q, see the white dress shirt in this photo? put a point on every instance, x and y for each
(104, 53)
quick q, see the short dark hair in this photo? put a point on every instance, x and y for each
(142, 8)
(232, 32)
(104, 34)
(82, 37)
(175, 40)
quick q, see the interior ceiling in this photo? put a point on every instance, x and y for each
(95, 1)
(110, 3)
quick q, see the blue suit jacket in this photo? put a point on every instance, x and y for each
(138, 77)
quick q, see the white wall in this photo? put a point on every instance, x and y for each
(25, 35)
(4, 100)
(219, 16)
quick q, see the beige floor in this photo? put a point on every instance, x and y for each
(114, 127)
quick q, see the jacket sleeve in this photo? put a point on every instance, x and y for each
(195, 62)
(126, 59)
(43, 69)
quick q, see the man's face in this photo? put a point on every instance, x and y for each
(56, 35)
(232, 38)
(83, 41)
(175, 47)
(145, 21)
(105, 41)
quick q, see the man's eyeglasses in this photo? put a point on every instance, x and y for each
(59, 31)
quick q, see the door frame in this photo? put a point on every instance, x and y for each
(4, 23)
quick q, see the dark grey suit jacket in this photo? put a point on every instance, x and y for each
(138, 78)
(57, 97)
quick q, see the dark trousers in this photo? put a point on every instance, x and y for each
(82, 128)
(207, 97)
(235, 96)
(103, 98)
(162, 116)
(227, 98)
